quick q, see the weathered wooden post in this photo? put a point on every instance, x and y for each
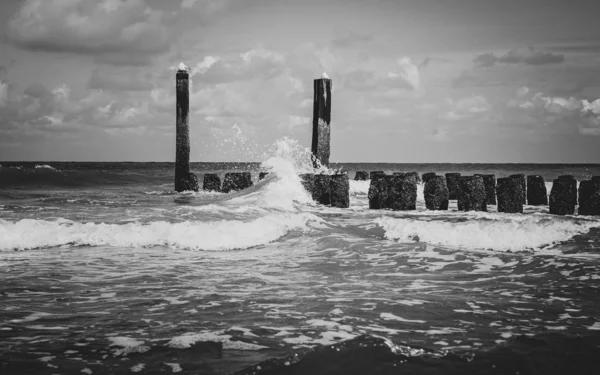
(561, 197)
(375, 174)
(321, 137)
(436, 194)
(377, 191)
(521, 177)
(573, 186)
(473, 196)
(401, 192)
(426, 176)
(489, 181)
(211, 182)
(589, 197)
(236, 181)
(339, 187)
(361, 176)
(184, 180)
(322, 189)
(453, 184)
(510, 195)
(537, 194)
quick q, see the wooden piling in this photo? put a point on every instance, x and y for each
(510, 195)
(537, 194)
(184, 180)
(561, 197)
(436, 194)
(361, 176)
(521, 177)
(321, 137)
(489, 181)
(473, 196)
(211, 182)
(453, 184)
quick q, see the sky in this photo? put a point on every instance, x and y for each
(446, 81)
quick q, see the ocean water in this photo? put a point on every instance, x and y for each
(105, 270)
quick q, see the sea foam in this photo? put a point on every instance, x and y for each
(216, 235)
(487, 231)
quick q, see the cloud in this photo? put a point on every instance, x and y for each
(3, 93)
(464, 108)
(409, 72)
(207, 7)
(527, 56)
(351, 39)
(406, 78)
(121, 32)
(562, 113)
(120, 79)
(249, 65)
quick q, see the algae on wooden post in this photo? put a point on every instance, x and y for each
(321, 137)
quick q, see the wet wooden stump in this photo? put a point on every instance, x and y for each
(453, 184)
(340, 190)
(377, 191)
(236, 181)
(401, 192)
(537, 194)
(472, 194)
(436, 194)
(489, 181)
(521, 177)
(212, 182)
(510, 195)
(361, 176)
(561, 197)
(589, 198)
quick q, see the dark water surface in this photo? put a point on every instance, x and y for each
(105, 270)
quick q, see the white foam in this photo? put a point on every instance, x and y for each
(137, 368)
(487, 231)
(359, 187)
(388, 316)
(217, 235)
(31, 317)
(188, 339)
(128, 345)
(175, 367)
(44, 166)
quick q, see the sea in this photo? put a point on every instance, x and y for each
(104, 269)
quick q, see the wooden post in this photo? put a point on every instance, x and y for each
(184, 180)
(321, 137)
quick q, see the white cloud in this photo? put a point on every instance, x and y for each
(188, 3)
(3, 93)
(465, 108)
(409, 72)
(298, 121)
(126, 31)
(203, 66)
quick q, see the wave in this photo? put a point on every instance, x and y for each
(496, 231)
(45, 166)
(219, 235)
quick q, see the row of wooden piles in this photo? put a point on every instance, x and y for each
(474, 193)
(233, 181)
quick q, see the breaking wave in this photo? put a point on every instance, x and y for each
(214, 236)
(496, 231)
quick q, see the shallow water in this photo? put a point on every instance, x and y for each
(126, 276)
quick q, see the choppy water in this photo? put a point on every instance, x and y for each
(103, 269)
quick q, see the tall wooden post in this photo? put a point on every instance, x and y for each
(321, 137)
(184, 180)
